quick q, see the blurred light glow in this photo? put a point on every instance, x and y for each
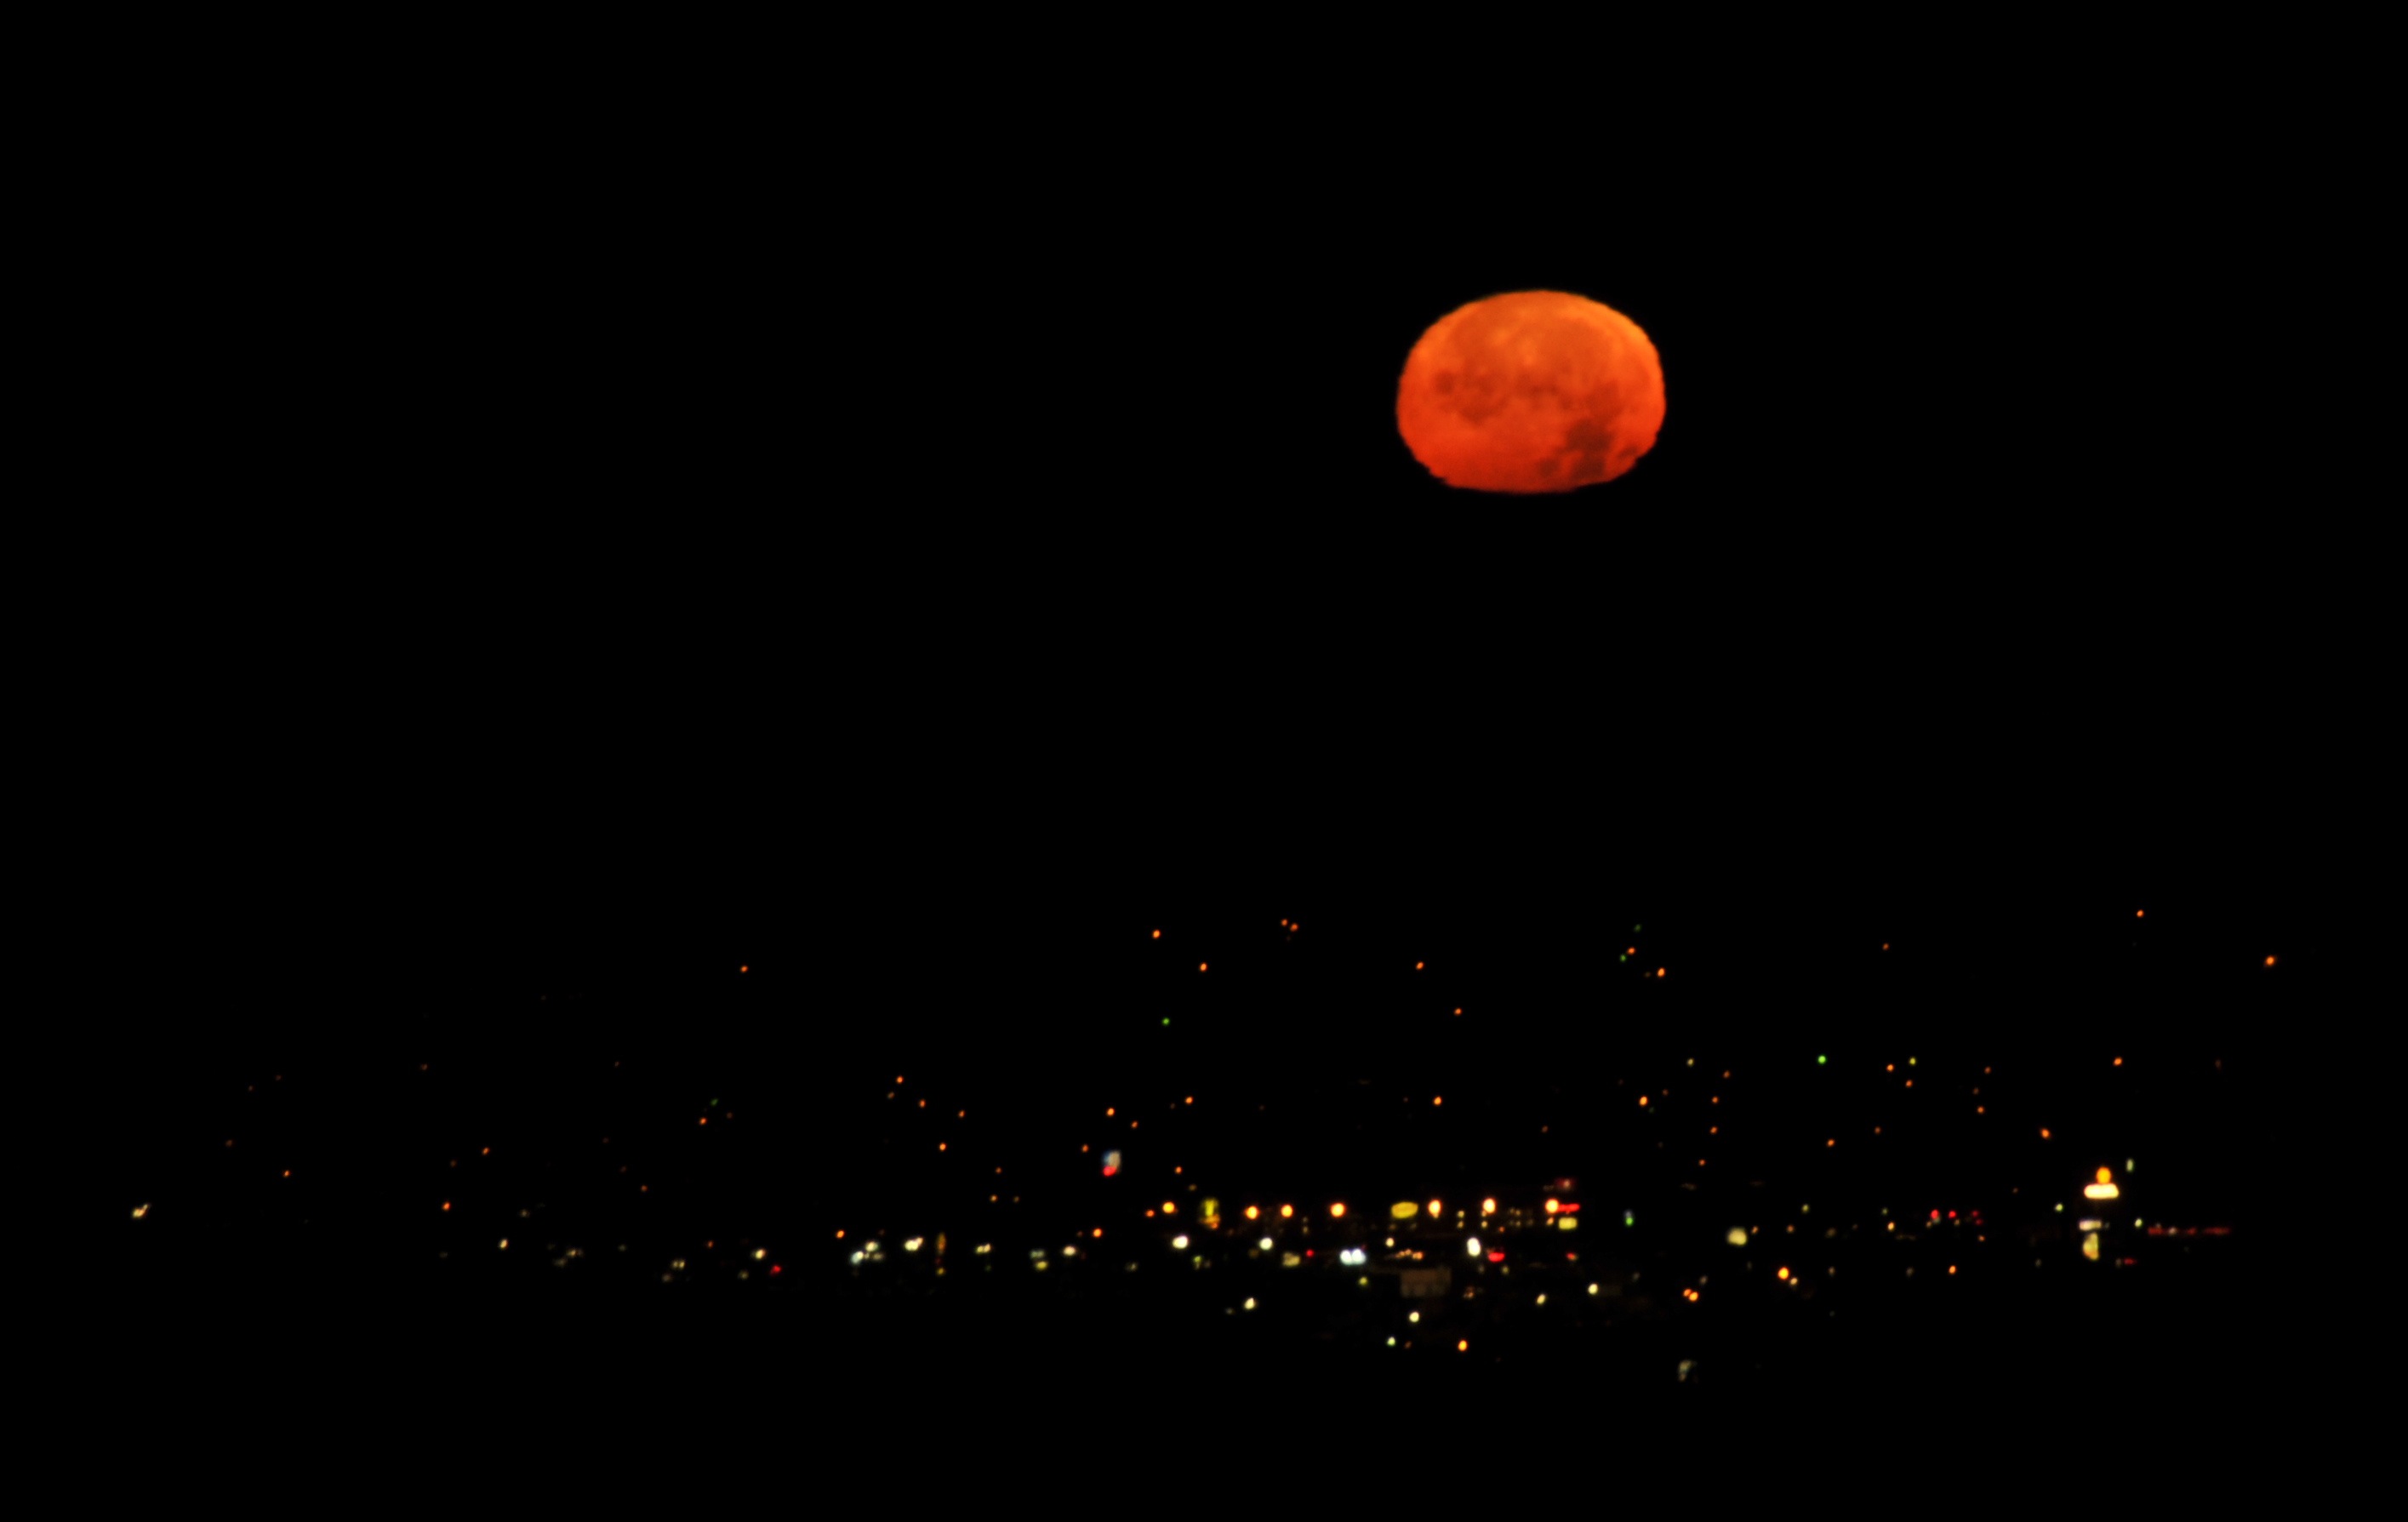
(1736, 1236)
(1265, 1244)
(1471, 1246)
(1337, 1210)
(2100, 1191)
(1405, 1210)
(1179, 1242)
(1488, 1207)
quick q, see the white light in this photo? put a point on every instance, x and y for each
(912, 1245)
(1592, 1289)
(1250, 1302)
(1179, 1242)
(856, 1257)
(869, 1247)
(2085, 1225)
(1471, 1246)
(1264, 1244)
(1414, 1316)
(1392, 1341)
(2100, 1191)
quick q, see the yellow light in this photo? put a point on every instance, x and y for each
(1405, 1210)
(141, 1211)
(1252, 1212)
(1433, 1207)
(1286, 1211)
(1463, 1347)
(1337, 1210)
(1488, 1207)
(2090, 1246)
(2100, 1191)
(1553, 1205)
(2106, 1175)
(1783, 1274)
(1169, 1208)
(1436, 1100)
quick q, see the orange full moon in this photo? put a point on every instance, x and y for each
(1534, 390)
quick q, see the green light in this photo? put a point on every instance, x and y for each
(1166, 1019)
(1629, 1218)
(1623, 958)
(1819, 1061)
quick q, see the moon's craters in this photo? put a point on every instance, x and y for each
(1536, 391)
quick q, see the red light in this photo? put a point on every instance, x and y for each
(1935, 1215)
(1496, 1257)
(1952, 1215)
(776, 1269)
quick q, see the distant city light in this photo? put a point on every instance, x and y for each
(1265, 1244)
(1433, 1207)
(1250, 1302)
(1252, 1212)
(1337, 1210)
(1405, 1210)
(1286, 1211)
(1471, 1246)
(1488, 1207)
(1553, 1205)
(1179, 1242)
(1736, 1236)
